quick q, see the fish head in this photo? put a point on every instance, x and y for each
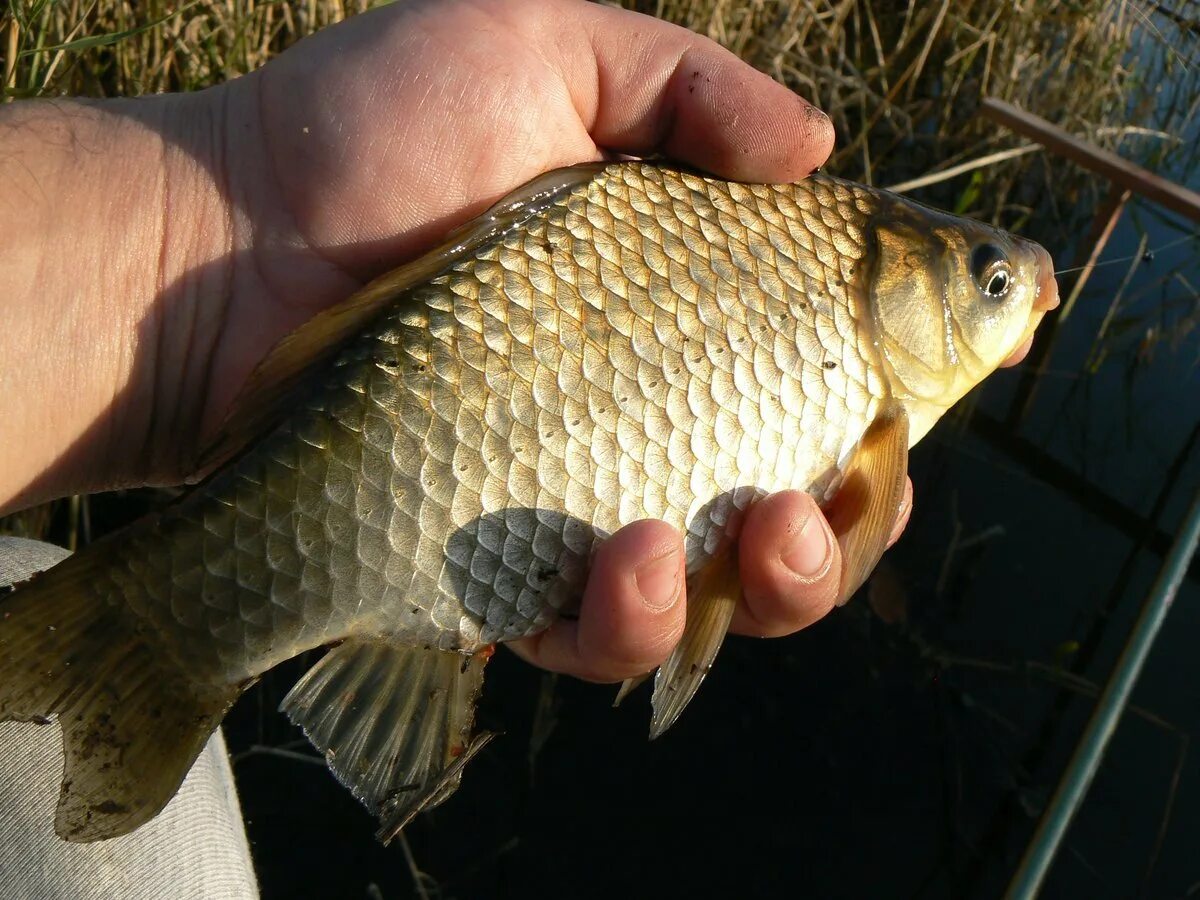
(951, 300)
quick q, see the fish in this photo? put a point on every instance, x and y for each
(424, 471)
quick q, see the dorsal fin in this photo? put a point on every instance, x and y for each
(273, 385)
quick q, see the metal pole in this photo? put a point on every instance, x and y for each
(1174, 197)
(1082, 769)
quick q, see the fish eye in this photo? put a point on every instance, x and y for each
(991, 270)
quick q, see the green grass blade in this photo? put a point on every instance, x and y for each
(105, 40)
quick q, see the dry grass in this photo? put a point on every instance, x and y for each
(103, 48)
(901, 82)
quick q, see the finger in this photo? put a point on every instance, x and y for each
(632, 612)
(790, 566)
(791, 563)
(657, 87)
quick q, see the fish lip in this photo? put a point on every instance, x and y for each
(1044, 300)
(1047, 289)
(1019, 354)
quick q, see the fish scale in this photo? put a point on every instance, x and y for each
(426, 469)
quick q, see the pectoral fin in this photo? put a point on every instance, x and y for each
(628, 686)
(863, 513)
(394, 723)
(712, 595)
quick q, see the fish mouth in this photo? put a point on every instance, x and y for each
(1047, 290)
(1045, 300)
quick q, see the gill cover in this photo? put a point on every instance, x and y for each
(950, 299)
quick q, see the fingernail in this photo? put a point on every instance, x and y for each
(815, 112)
(809, 549)
(658, 580)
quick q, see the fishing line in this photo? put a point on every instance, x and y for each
(1147, 256)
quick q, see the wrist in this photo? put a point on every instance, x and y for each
(120, 235)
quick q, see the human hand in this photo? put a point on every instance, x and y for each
(366, 143)
(633, 608)
(361, 147)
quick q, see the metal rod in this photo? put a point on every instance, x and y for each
(1031, 458)
(1120, 171)
(1090, 751)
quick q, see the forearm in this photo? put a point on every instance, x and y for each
(115, 236)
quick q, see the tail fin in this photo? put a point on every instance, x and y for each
(133, 722)
(394, 723)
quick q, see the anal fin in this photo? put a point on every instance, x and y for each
(403, 806)
(863, 512)
(393, 721)
(712, 595)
